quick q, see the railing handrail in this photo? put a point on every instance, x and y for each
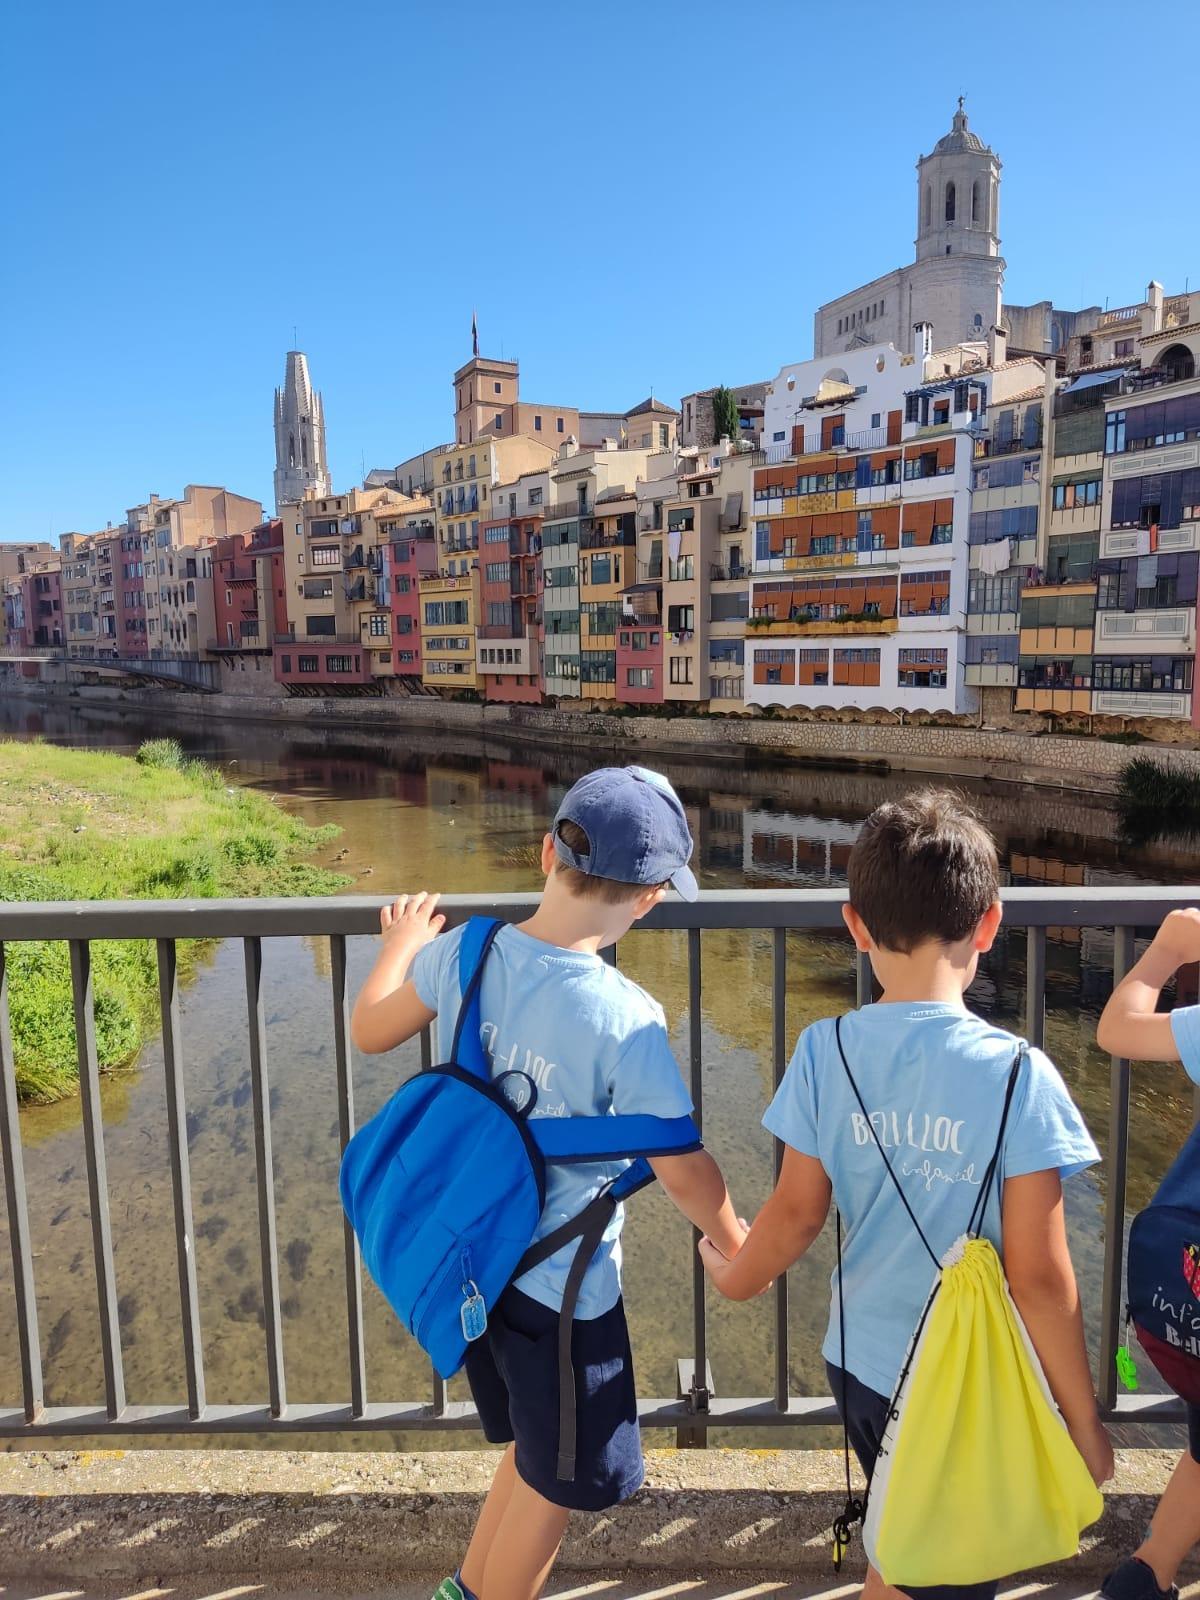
(691, 1413)
(1085, 907)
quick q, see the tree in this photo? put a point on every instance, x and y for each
(725, 413)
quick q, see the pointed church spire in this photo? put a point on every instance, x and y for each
(300, 460)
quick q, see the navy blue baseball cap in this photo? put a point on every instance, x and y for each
(635, 825)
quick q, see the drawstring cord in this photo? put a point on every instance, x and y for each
(855, 1509)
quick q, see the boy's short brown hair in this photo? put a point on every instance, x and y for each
(923, 868)
(586, 885)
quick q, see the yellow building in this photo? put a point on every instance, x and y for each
(464, 478)
(1057, 620)
(450, 613)
(607, 564)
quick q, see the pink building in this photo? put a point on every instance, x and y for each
(129, 594)
(410, 556)
(310, 666)
(640, 662)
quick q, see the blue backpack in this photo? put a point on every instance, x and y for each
(445, 1187)
(1163, 1282)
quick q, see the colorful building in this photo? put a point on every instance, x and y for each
(449, 622)
(858, 597)
(409, 555)
(509, 646)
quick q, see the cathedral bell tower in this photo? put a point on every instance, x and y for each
(958, 195)
(300, 460)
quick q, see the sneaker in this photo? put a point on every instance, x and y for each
(1134, 1580)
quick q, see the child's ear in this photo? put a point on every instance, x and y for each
(645, 903)
(858, 929)
(989, 927)
(549, 857)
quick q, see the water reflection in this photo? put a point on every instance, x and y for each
(466, 814)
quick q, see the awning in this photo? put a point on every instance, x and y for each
(731, 516)
(1089, 380)
(1076, 477)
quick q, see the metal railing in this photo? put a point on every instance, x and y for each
(695, 1409)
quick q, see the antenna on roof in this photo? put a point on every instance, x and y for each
(295, 337)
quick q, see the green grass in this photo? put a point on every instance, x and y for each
(87, 825)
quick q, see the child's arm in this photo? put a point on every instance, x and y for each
(783, 1230)
(1041, 1278)
(696, 1187)
(389, 1010)
(1131, 1025)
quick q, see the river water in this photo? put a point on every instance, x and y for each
(459, 814)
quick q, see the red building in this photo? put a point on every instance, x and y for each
(640, 662)
(410, 556)
(249, 602)
(34, 611)
(129, 593)
(510, 634)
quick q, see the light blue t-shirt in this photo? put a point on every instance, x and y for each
(593, 1042)
(933, 1079)
(1185, 1027)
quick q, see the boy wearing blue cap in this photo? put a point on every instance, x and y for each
(593, 1042)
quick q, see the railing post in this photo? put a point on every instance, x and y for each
(778, 1066)
(181, 1180)
(93, 1136)
(18, 1214)
(345, 1098)
(694, 1378)
(265, 1174)
(1035, 986)
(1114, 1202)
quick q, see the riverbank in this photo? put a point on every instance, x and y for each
(1084, 765)
(88, 825)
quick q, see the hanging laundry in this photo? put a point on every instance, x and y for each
(996, 557)
(674, 540)
(1147, 572)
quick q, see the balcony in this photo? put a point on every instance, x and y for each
(1137, 703)
(320, 641)
(868, 439)
(356, 590)
(565, 510)
(1167, 631)
(1156, 378)
(986, 448)
(724, 574)
(356, 557)
(797, 625)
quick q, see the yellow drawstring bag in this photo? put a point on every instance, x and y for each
(977, 1476)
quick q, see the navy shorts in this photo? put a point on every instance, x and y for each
(513, 1373)
(1193, 1425)
(865, 1414)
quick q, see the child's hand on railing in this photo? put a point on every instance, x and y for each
(410, 920)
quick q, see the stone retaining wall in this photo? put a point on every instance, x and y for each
(97, 1515)
(1084, 763)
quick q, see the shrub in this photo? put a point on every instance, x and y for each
(166, 753)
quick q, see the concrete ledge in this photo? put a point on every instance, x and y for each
(99, 1515)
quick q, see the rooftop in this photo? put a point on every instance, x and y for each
(960, 137)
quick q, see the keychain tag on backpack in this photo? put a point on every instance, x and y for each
(473, 1313)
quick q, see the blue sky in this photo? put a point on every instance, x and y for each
(634, 196)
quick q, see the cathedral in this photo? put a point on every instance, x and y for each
(956, 281)
(300, 460)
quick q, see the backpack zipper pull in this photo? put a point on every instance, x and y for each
(1126, 1365)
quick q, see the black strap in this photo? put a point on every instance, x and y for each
(981, 1200)
(929, 1251)
(855, 1509)
(472, 988)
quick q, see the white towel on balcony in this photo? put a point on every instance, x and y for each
(995, 557)
(674, 540)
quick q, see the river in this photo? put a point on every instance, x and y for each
(454, 813)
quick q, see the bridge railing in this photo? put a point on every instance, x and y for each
(695, 1409)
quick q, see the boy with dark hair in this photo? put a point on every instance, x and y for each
(924, 904)
(589, 1041)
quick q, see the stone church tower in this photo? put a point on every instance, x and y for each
(954, 284)
(300, 460)
(957, 280)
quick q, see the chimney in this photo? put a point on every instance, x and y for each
(997, 346)
(923, 343)
(1154, 298)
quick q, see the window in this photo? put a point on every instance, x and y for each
(664, 436)
(497, 572)
(559, 424)
(537, 424)
(320, 627)
(308, 663)
(681, 571)
(535, 497)
(681, 669)
(639, 677)
(326, 556)
(379, 627)
(496, 388)
(499, 422)
(1123, 347)
(950, 202)
(875, 418)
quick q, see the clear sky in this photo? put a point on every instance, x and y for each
(634, 196)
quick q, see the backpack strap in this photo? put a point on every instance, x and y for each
(478, 937)
(989, 1177)
(929, 1251)
(572, 1139)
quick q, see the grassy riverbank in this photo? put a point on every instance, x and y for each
(88, 825)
